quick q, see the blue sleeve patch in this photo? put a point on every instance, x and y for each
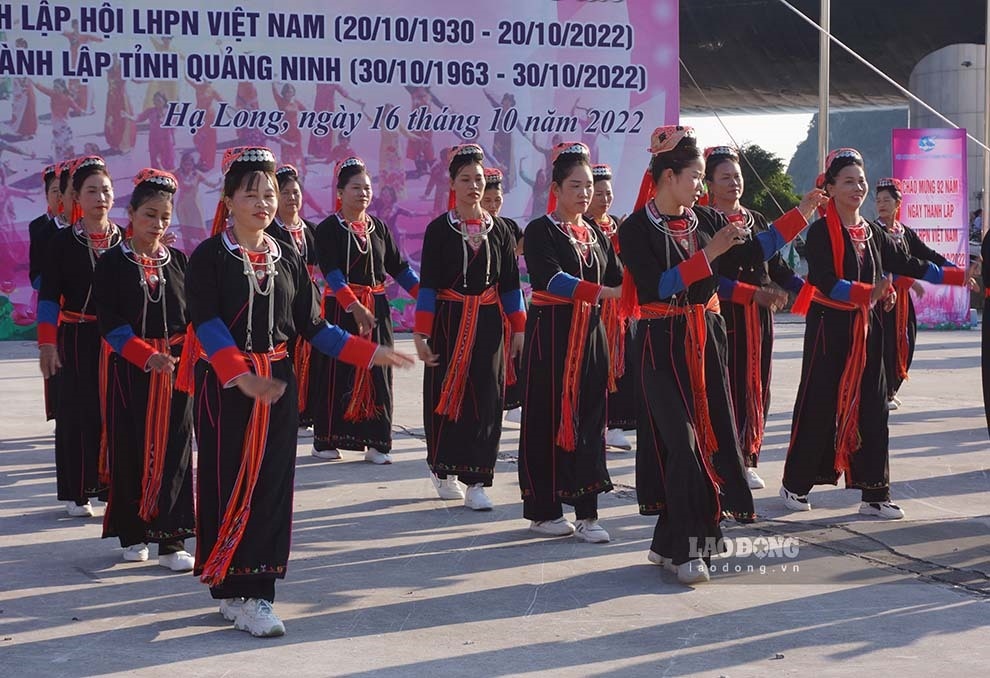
(119, 336)
(671, 283)
(563, 285)
(725, 287)
(512, 302)
(214, 335)
(933, 274)
(770, 241)
(48, 312)
(336, 280)
(330, 340)
(841, 291)
(427, 300)
(407, 279)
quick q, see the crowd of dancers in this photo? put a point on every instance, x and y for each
(661, 322)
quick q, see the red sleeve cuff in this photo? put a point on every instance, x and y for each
(587, 291)
(47, 334)
(358, 351)
(903, 282)
(790, 224)
(742, 293)
(694, 269)
(517, 321)
(229, 363)
(860, 294)
(414, 291)
(137, 352)
(953, 276)
(424, 323)
(345, 297)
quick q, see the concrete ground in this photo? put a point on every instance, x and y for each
(387, 580)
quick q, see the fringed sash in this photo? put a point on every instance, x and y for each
(156, 430)
(362, 403)
(455, 382)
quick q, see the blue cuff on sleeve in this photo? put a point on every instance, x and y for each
(48, 312)
(795, 284)
(330, 340)
(427, 300)
(563, 285)
(214, 335)
(119, 336)
(512, 302)
(336, 280)
(933, 274)
(770, 241)
(671, 283)
(725, 287)
(841, 291)
(407, 279)
(36, 283)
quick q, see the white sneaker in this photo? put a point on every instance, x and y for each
(84, 511)
(180, 561)
(476, 499)
(795, 502)
(375, 457)
(258, 618)
(591, 532)
(693, 572)
(897, 401)
(881, 510)
(754, 480)
(514, 415)
(332, 455)
(136, 553)
(892, 405)
(663, 561)
(447, 488)
(559, 527)
(229, 607)
(616, 437)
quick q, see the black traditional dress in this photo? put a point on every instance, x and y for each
(141, 310)
(840, 416)
(565, 369)
(467, 283)
(900, 325)
(689, 468)
(354, 408)
(67, 318)
(40, 232)
(621, 334)
(985, 328)
(749, 328)
(513, 391)
(244, 519)
(306, 363)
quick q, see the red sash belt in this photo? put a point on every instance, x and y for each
(573, 360)
(694, 348)
(455, 382)
(755, 398)
(75, 318)
(362, 404)
(615, 332)
(238, 508)
(901, 312)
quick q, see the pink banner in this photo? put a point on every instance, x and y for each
(931, 164)
(171, 84)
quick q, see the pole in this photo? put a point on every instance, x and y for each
(824, 45)
(986, 122)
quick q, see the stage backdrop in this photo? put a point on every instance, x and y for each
(171, 87)
(931, 164)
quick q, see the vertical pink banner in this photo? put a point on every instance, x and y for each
(931, 164)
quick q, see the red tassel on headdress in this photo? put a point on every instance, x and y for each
(647, 189)
(220, 218)
(338, 204)
(551, 203)
(129, 231)
(451, 200)
(76, 213)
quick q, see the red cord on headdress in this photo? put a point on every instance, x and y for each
(220, 218)
(647, 189)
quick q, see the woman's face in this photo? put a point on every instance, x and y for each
(356, 194)
(686, 186)
(492, 199)
(52, 196)
(849, 188)
(887, 206)
(601, 199)
(575, 191)
(727, 182)
(96, 197)
(151, 219)
(469, 184)
(254, 203)
(289, 198)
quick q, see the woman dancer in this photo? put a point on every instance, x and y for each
(140, 307)
(468, 269)
(247, 296)
(566, 363)
(840, 416)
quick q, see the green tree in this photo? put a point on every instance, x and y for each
(770, 169)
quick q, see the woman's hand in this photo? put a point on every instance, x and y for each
(890, 300)
(49, 361)
(516, 347)
(429, 358)
(974, 276)
(364, 318)
(724, 240)
(768, 297)
(612, 292)
(881, 290)
(811, 201)
(387, 357)
(264, 389)
(161, 362)
(918, 289)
